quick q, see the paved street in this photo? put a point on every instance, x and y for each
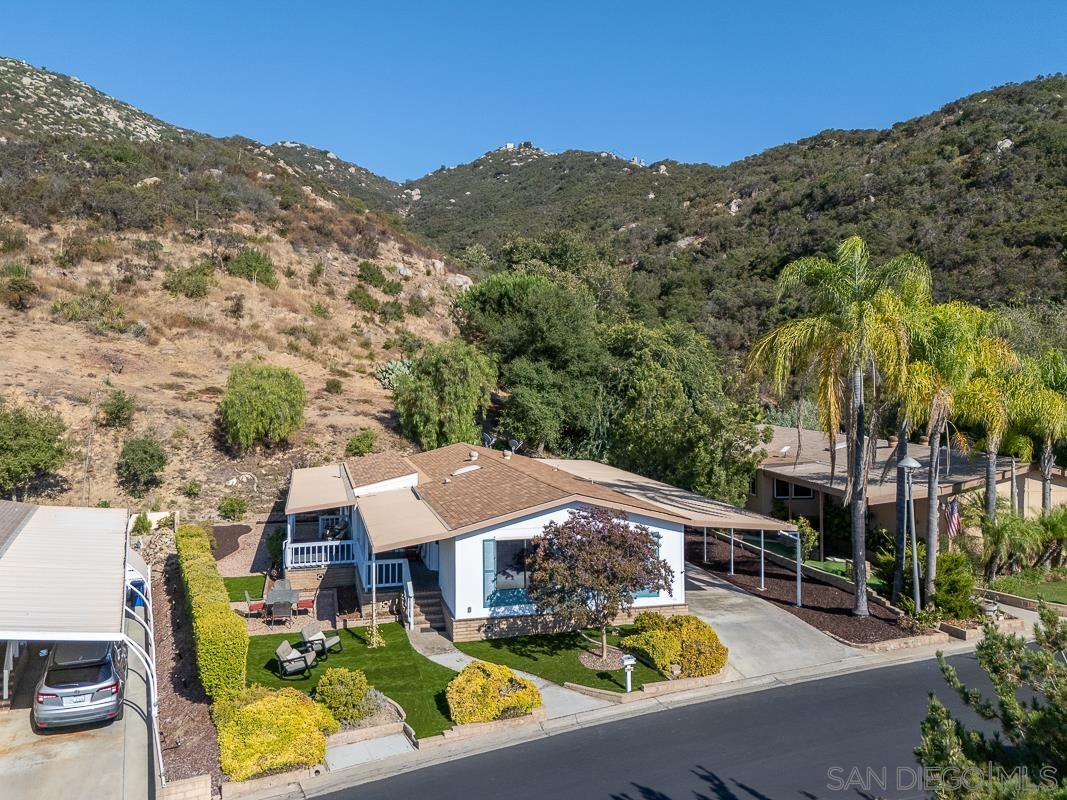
(779, 743)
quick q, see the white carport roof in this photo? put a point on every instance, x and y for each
(700, 511)
(62, 572)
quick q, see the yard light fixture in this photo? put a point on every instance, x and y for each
(628, 664)
(909, 464)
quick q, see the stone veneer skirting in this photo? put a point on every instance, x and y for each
(467, 630)
(314, 578)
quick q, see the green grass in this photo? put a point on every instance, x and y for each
(1031, 583)
(841, 570)
(413, 681)
(253, 584)
(554, 657)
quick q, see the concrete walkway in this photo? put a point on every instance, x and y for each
(763, 639)
(558, 701)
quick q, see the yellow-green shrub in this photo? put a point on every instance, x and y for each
(272, 730)
(684, 640)
(649, 621)
(344, 692)
(219, 634)
(658, 647)
(484, 692)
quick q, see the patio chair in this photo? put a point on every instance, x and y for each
(293, 662)
(254, 608)
(281, 612)
(319, 641)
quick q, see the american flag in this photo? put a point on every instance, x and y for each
(952, 517)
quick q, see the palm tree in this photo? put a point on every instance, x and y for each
(992, 400)
(1046, 411)
(857, 328)
(949, 345)
(1008, 541)
(1053, 537)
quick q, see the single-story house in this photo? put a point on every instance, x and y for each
(455, 523)
(795, 479)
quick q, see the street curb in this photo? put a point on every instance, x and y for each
(419, 759)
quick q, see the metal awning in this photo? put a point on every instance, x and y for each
(699, 511)
(319, 488)
(399, 518)
(62, 573)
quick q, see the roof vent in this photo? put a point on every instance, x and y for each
(473, 455)
(447, 480)
(785, 450)
(507, 455)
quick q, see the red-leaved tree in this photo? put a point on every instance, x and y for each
(585, 571)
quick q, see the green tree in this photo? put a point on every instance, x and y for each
(441, 399)
(32, 445)
(1045, 409)
(675, 416)
(1029, 709)
(263, 404)
(858, 322)
(140, 464)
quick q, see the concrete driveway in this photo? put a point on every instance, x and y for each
(762, 638)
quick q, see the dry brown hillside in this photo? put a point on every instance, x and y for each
(101, 320)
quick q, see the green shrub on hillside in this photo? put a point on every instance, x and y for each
(334, 386)
(193, 282)
(18, 290)
(220, 635)
(12, 239)
(32, 445)
(391, 311)
(97, 307)
(140, 463)
(118, 410)
(483, 692)
(253, 265)
(262, 404)
(233, 508)
(362, 299)
(361, 443)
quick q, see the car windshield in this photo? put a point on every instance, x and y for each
(80, 654)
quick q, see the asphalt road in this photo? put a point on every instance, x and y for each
(834, 738)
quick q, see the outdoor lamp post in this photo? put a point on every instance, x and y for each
(908, 464)
(628, 663)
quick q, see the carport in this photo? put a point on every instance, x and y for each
(65, 575)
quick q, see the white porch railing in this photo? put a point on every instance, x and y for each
(319, 554)
(390, 572)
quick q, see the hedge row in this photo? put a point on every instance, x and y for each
(685, 641)
(483, 692)
(219, 634)
(269, 730)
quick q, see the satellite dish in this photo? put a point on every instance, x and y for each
(514, 444)
(488, 439)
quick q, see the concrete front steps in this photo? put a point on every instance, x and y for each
(429, 613)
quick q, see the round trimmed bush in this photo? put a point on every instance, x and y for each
(657, 646)
(649, 621)
(344, 692)
(484, 692)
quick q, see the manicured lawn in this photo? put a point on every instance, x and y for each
(840, 569)
(1032, 584)
(415, 682)
(554, 657)
(253, 584)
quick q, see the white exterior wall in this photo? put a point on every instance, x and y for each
(462, 558)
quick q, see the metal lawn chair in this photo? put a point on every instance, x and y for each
(318, 641)
(293, 662)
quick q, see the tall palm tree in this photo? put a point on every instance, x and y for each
(856, 329)
(992, 400)
(1046, 411)
(951, 343)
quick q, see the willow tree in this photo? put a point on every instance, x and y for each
(856, 330)
(954, 341)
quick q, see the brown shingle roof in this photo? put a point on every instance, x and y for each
(500, 487)
(377, 467)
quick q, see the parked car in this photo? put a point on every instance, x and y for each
(82, 682)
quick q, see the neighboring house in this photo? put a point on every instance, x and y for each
(459, 520)
(795, 479)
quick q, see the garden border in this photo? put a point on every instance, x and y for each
(653, 689)
(472, 729)
(1025, 603)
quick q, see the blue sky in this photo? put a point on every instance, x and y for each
(405, 88)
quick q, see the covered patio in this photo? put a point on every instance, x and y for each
(318, 513)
